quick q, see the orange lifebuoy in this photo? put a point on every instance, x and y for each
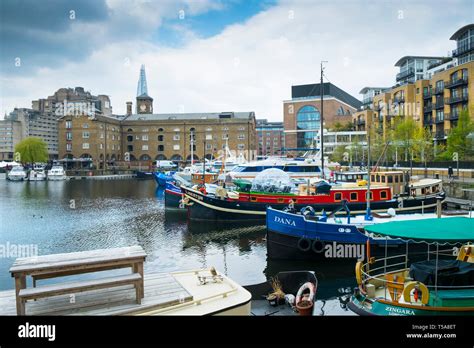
(306, 286)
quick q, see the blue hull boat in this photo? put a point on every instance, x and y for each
(297, 236)
(173, 196)
(162, 178)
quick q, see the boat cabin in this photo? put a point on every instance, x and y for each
(401, 183)
(350, 176)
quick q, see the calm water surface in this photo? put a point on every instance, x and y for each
(78, 215)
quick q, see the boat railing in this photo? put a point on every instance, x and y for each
(379, 274)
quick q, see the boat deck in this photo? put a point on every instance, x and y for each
(161, 290)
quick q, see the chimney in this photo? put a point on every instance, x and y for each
(129, 108)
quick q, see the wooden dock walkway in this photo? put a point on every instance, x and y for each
(458, 203)
(161, 290)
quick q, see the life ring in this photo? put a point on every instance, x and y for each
(317, 242)
(465, 253)
(358, 272)
(202, 189)
(306, 286)
(301, 243)
(425, 294)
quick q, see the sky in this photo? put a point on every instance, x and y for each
(214, 55)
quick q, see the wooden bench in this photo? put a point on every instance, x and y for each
(60, 265)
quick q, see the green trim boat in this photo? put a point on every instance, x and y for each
(443, 284)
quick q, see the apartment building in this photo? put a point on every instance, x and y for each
(271, 138)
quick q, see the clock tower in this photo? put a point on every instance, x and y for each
(144, 101)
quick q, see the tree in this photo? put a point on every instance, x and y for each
(404, 134)
(31, 150)
(460, 139)
(422, 145)
(338, 154)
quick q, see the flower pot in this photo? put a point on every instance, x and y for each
(305, 308)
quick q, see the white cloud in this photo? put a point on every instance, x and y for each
(251, 66)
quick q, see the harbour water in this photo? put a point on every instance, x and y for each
(77, 215)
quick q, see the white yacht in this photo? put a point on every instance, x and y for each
(38, 173)
(57, 172)
(296, 168)
(17, 174)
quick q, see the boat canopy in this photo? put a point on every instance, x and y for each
(451, 229)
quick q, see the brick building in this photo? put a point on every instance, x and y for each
(302, 114)
(271, 138)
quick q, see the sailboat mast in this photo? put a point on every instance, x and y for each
(321, 91)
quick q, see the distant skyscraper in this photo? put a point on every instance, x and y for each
(142, 87)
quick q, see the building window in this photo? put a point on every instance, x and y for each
(208, 146)
(102, 135)
(241, 146)
(68, 147)
(225, 129)
(101, 146)
(175, 147)
(85, 145)
(145, 147)
(145, 137)
(209, 129)
(130, 148)
(85, 125)
(145, 130)
(176, 137)
(161, 148)
(160, 137)
(68, 136)
(241, 136)
(225, 136)
(208, 136)
(129, 137)
(241, 128)
(308, 122)
(68, 124)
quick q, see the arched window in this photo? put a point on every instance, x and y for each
(145, 158)
(160, 129)
(176, 158)
(160, 158)
(130, 130)
(340, 111)
(308, 123)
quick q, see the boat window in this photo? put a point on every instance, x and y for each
(253, 199)
(377, 178)
(372, 178)
(401, 178)
(383, 194)
(389, 178)
(370, 195)
(338, 197)
(383, 178)
(354, 196)
(280, 200)
(396, 178)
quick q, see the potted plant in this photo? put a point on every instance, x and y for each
(305, 306)
(277, 296)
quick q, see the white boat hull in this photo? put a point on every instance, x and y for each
(16, 177)
(56, 177)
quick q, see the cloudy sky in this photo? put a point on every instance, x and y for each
(205, 55)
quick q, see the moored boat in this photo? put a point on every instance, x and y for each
(17, 174)
(56, 172)
(38, 173)
(442, 284)
(210, 293)
(303, 235)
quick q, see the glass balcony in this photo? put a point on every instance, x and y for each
(463, 49)
(456, 99)
(455, 83)
(405, 74)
